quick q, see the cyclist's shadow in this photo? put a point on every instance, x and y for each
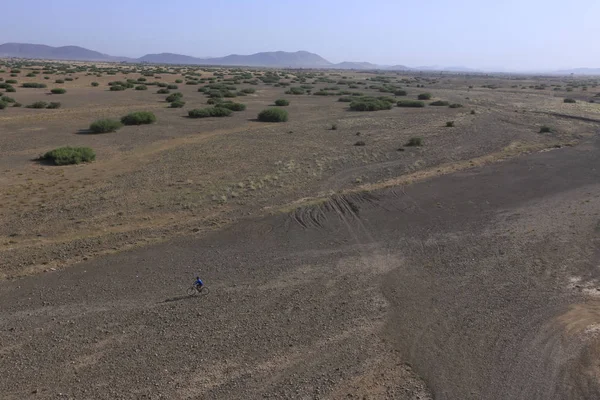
(178, 298)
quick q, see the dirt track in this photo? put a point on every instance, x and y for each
(476, 285)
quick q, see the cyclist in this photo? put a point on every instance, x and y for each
(198, 283)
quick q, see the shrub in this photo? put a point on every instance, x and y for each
(282, 102)
(59, 81)
(569, 100)
(17, 105)
(248, 90)
(178, 81)
(450, 124)
(38, 104)
(370, 104)
(172, 87)
(69, 79)
(334, 127)
(141, 87)
(54, 105)
(439, 103)
(11, 81)
(69, 155)
(139, 118)
(58, 91)
(273, 115)
(3, 105)
(210, 112)
(425, 96)
(95, 84)
(233, 106)
(7, 99)
(346, 99)
(415, 141)
(295, 90)
(177, 104)
(117, 88)
(163, 91)
(545, 129)
(105, 126)
(400, 93)
(455, 105)
(360, 143)
(34, 85)
(472, 112)
(410, 103)
(174, 96)
(10, 89)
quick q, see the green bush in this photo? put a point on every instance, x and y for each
(139, 118)
(69, 155)
(178, 81)
(141, 87)
(34, 85)
(59, 81)
(163, 91)
(232, 106)
(569, 100)
(69, 79)
(346, 99)
(38, 104)
(10, 89)
(425, 96)
(172, 87)
(210, 112)
(295, 90)
(58, 91)
(174, 96)
(117, 88)
(177, 104)
(95, 84)
(282, 102)
(105, 126)
(273, 115)
(439, 103)
(455, 105)
(54, 105)
(450, 124)
(248, 90)
(370, 104)
(7, 99)
(11, 81)
(400, 93)
(410, 103)
(17, 105)
(3, 105)
(545, 129)
(415, 141)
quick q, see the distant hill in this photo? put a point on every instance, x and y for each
(169, 58)
(281, 59)
(26, 50)
(275, 58)
(355, 65)
(398, 68)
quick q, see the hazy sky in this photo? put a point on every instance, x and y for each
(514, 34)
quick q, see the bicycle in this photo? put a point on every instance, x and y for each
(197, 290)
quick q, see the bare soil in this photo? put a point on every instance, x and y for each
(462, 269)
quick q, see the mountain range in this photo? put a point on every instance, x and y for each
(298, 59)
